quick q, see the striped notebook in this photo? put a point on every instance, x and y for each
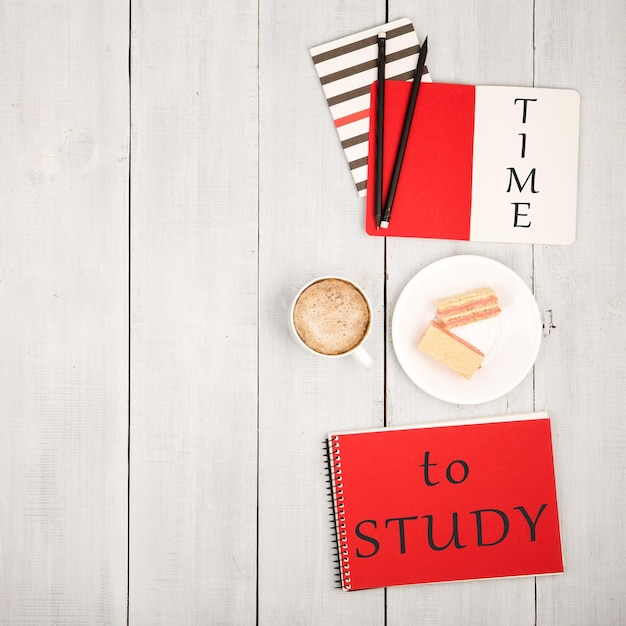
(347, 68)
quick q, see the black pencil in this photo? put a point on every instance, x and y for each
(380, 127)
(408, 118)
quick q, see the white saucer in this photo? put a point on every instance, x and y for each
(509, 341)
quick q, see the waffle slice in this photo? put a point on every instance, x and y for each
(450, 350)
(467, 307)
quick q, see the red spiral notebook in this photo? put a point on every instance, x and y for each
(482, 163)
(447, 502)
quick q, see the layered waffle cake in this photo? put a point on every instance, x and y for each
(450, 350)
(467, 307)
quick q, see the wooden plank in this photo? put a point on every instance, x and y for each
(485, 43)
(63, 307)
(311, 224)
(194, 313)
(582, 290)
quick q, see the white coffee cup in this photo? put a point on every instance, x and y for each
(331, 317)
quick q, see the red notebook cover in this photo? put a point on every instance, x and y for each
(482, 163)
(433, 197)
(447, 502)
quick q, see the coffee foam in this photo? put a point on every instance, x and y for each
(331, 316)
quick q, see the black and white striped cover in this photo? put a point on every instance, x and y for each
(347, 67)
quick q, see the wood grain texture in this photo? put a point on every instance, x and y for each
(311, 224)
(239, 194)
(63, 312)
(582, 368)
(193, 502)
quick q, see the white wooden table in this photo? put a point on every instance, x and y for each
(161, 448)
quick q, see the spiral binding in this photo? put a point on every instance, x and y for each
(338, 513)
(333, 517)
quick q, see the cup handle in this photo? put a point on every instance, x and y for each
(363, 358)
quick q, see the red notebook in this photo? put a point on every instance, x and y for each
(492, 164)
(447, 502)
